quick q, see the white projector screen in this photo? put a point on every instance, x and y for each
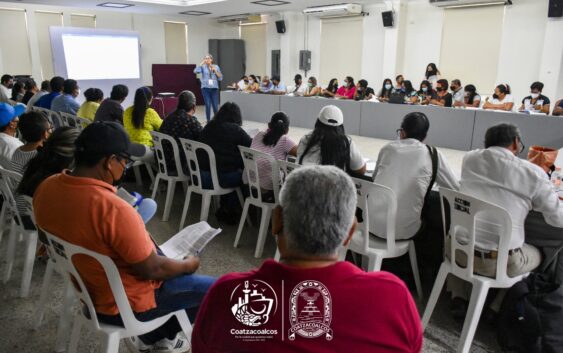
(101, 57)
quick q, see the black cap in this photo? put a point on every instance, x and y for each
(107, 138)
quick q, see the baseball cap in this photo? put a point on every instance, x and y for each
(8, 113)
(331, 115)
(107, 138)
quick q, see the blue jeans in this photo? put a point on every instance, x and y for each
(183, 292)
(211, 98)
(226, 180)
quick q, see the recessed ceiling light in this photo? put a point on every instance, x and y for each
(195, 13)
(178, 2)
(115, 5)
(270, 2)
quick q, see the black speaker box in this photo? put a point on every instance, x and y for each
(555, 8)
(280, 26)
(387, 18)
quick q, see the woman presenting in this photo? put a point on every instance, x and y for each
(210, 77)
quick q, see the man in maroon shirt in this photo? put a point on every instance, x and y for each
(309, 301)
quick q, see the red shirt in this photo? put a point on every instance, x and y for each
(338, 308)
(346, 92)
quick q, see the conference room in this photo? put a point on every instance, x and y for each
(281, 176)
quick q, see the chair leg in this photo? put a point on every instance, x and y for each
(278, 255)
(415, 272)
(185, 324)
(29, 260)
(14, 230)
(75, 336)
(137, 172)
(263, 232)
(65, 321)
(434, 295)
(476, 303)
(186, 206)
(342, 253)
(374, 263)
(155, 188)
(42, 305)
(205, 202)
(241, 222)
(110, 343)
(169, 199)
(150, 171)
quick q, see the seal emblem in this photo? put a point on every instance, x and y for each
(310, 310)
(252, 304)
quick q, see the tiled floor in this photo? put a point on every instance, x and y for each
(17, 315)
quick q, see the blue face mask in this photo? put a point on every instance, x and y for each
(424, 89)
(387, 86)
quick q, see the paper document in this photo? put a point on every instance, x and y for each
(190, 240)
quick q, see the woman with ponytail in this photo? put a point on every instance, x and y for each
(140, 119)
(275, 142)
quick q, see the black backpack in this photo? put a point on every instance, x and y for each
(531, 315)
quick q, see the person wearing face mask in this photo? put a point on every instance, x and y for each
(18, 91)
(348, 90)
(154, 284)
(502, 99)
(253, 85)
(497, 175)
(363, 92)
(6, 84)
(457, 92)
(471, 99)
(442, 98)
(313, 90)
(425, 93)
(385, 91)
(278, 88)
(399, 84)
(331, 89)
(411, 95)
(432, 74)
(299, 89)
(536, 101)
(210, 77)
(266, 85)
(66, 102)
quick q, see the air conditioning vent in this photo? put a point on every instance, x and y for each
(339, 10)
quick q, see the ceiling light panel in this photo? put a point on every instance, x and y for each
(115, 5)
(178, 2)
(270, 2)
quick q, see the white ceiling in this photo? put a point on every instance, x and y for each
(225, 8)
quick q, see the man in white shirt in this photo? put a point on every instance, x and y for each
(8, 127)
(405, 166)
(457, 91)
(6, 84)
(496, 175)
(299, 89)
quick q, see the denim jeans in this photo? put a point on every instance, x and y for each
(226, 180)
(183, 292)
(211, 98)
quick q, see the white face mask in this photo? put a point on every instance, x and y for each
(535, 95)
(387, 86)
(250, 81)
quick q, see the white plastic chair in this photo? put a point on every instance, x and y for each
(71, 120)
(164, 172)
(374, 248)
(190, 148)
(251, 159)
(285, 168)
(8, 181)
(110, 334)
(463, 211)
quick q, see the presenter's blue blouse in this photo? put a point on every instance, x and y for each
(208, 78)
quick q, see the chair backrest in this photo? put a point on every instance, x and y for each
(286, 167)
(8, 183)
(85, 122)
(252, 158)
(190, 149)
(53, 116)
(64, 252)
(158, 139)
(464, 210)
(366, 190)
(71, 120)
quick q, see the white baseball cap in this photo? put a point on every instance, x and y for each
(331, 115)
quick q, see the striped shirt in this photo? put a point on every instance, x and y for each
(20, 159)
(279, 151)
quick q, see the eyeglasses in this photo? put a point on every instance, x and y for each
(398, 132)
(127, 158)
(522, 146)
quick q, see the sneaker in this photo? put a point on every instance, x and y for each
(135, 345)
(180, 344)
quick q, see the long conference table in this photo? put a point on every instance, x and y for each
(460, 129)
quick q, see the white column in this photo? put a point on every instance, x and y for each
(551, 66)
(36, 70)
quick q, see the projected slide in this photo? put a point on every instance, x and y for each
(101, 57)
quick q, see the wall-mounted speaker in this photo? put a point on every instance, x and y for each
(280, 26)
(555, 8)
(387, 17)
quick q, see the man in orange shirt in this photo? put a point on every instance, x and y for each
(81, 207)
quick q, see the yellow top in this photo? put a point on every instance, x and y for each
(88, 110)
(142, 135)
